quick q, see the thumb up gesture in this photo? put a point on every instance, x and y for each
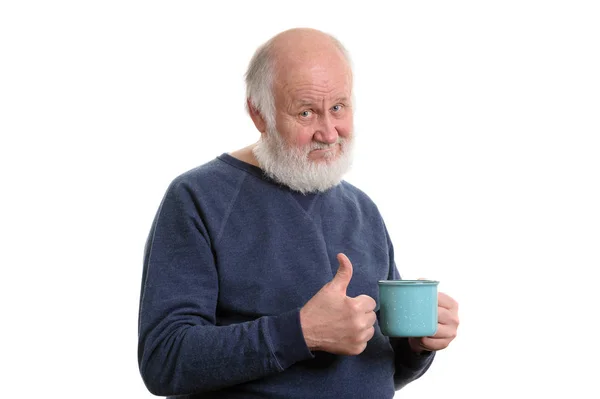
(333, 322)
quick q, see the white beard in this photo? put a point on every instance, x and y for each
(292, 167)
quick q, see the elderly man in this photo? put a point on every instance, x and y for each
(261, 267)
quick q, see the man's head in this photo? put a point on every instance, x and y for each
(299, 89)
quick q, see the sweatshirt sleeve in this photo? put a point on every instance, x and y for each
(181, 349)
(409, 365)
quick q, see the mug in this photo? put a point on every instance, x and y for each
(408, 308)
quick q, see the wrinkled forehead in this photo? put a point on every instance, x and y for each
(329, 73)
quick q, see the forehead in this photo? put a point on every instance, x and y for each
(327, 77)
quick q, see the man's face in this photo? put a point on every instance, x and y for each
(313, 110)
(310, 147)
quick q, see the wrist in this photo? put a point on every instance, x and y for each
(309, 337)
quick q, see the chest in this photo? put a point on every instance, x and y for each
(290, 256)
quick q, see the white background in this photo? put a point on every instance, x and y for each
(478, 129)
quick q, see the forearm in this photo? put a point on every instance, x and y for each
(185, 359)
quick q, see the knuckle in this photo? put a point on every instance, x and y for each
(355, 306)
(373, 318)
(371, 302)
(366, 323)
(366, 335)
(358, 349)
(357, 339)
(366, 302)
(357, 323)
(453, 333)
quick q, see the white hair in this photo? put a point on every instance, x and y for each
(260, 76)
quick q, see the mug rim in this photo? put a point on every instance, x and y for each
(408, 282)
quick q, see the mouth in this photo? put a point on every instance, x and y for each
(325, 152)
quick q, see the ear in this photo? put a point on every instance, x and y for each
(257, 118)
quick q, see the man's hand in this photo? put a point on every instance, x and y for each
(335, 323)
(447, 327)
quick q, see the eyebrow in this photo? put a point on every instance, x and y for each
(303, 103)
(308, 102)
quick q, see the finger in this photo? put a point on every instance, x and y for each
(369, 333)
(445, 301)
(365, 303)
(444, 332)
(434, 344)
(366, 321)
(344, 274)
(422, 344)
(371, 318)
(447, 317)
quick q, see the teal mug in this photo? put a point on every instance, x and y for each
(408, 308)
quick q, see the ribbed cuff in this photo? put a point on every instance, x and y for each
(286, 339)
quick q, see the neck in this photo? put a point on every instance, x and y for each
(246, 155)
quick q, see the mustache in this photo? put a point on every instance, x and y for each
(324, 146)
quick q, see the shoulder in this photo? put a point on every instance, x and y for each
(207, 189)
(212, 177)
(205, 193)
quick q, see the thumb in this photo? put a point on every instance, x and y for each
(344, 274)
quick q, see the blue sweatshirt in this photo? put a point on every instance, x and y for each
(231, 258)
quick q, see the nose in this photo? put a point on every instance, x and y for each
(326, 130)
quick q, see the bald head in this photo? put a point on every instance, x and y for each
(297, 46)
(284, 56)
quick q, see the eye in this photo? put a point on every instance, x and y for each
(337, 108)
(305, 114)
